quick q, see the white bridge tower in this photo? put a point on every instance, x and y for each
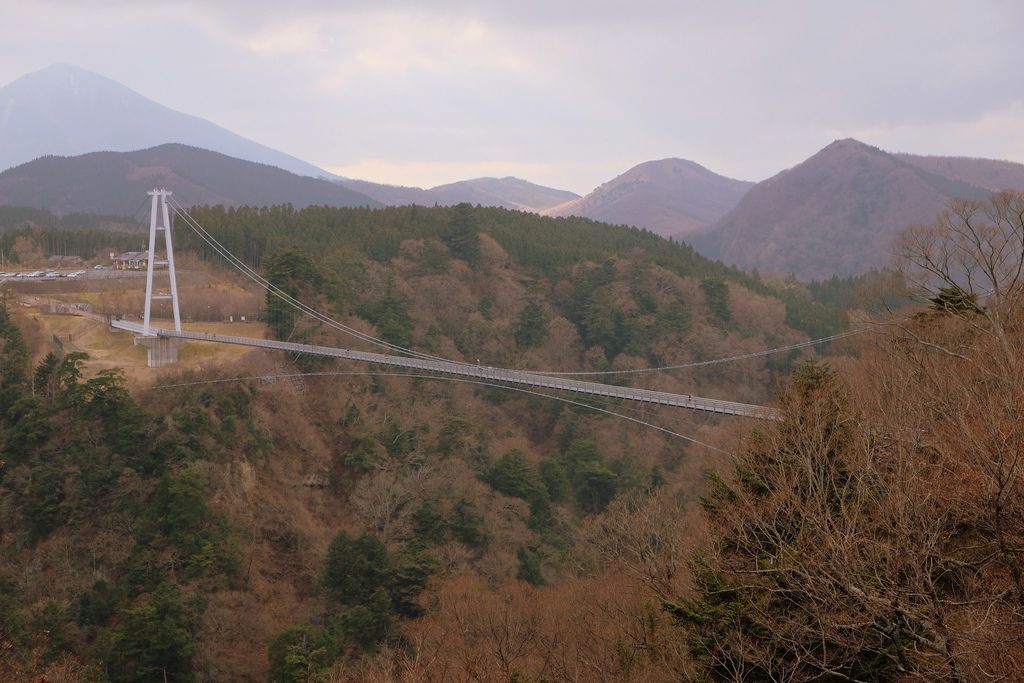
(162, 350)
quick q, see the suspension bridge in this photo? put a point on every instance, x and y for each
(163, 343)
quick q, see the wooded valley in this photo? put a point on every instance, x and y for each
(376, 527)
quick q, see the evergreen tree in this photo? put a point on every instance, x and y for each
(408, 579)
(462, 234)
(514, 475)
(529, 567)
(390, 314)
(596, 487)
(298, 653)
(531, 327)
(44, 380)
(468, 525)
(154, 641)
(355, 568)
(42, 504)
(13, 360)
(370, 623)
(674, 317)
(716, 296)
(290, 272)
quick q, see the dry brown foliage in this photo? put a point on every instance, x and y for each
(878, 531)
(599, 629)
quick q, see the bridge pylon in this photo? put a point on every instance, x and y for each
(162, 350)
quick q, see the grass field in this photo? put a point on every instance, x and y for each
(204, 294)
(110, 349)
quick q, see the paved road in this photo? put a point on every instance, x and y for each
(486, 373)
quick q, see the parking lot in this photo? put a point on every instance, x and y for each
(53, 274)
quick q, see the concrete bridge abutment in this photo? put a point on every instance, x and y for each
(161, 351)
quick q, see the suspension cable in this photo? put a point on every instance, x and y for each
(292, 301)
(281, 294)
(308, 310)
(715, 361)
(441, 378)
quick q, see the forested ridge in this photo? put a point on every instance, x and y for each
(381, 528)
(544, 245)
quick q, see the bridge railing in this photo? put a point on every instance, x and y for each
(483, 372)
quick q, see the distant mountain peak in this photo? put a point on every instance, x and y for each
(848, 142)
(834, 213)
(63, 109)
(846, 146)
(670, 196)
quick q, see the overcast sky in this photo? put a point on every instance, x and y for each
(567, 93)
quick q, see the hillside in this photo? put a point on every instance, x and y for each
(114, 183)
(508, 193)
(389, 195)
(64, 110)
(227, 513)
(670, 197)
(250, 516)
(990, 174)
(833, 214)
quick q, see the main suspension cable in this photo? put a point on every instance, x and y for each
(292, 301)
(308, 310)
(715, 361)
(370, 373)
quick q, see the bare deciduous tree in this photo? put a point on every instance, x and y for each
(974, 246)
(878, 530)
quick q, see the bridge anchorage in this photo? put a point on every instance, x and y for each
(163, 343)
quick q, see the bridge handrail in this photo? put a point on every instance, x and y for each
(481, 372)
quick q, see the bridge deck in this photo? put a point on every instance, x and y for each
(486, 373)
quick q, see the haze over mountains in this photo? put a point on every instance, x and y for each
(833, 214)
(670, 197)
(507, 193)
(991, 174)
(64, 110)
(113, 183)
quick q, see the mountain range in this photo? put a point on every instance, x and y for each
(64, 110)
(98, 146)
(113, 183)
(507, 193)
(991, 174)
